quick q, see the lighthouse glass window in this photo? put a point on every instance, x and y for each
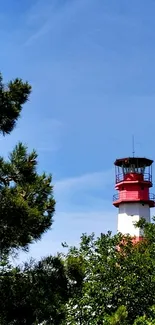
(133, 169)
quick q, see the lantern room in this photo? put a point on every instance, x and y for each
(133, 169)
(133, 178)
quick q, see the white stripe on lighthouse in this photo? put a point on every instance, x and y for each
(129, 213)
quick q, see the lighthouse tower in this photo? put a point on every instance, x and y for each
(133, 200)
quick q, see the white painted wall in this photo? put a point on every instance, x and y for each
(129, 213)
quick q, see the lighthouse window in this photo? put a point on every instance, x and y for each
(132, 168)
(142, 170)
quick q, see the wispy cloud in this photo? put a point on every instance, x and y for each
(68, 227)
(43, 135)
(51, 16)
(95, 180)
(93, 214)
(86, 193)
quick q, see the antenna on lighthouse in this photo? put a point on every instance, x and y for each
(133, 145)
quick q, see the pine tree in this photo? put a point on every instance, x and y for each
(26, 198)
(35, 292)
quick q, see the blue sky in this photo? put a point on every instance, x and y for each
(92, 68)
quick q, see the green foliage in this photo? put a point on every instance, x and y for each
(12, 97)
(119, 317)
(118, 279)
(27, 203)
(34, 293)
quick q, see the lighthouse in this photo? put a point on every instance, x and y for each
(133, 180)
